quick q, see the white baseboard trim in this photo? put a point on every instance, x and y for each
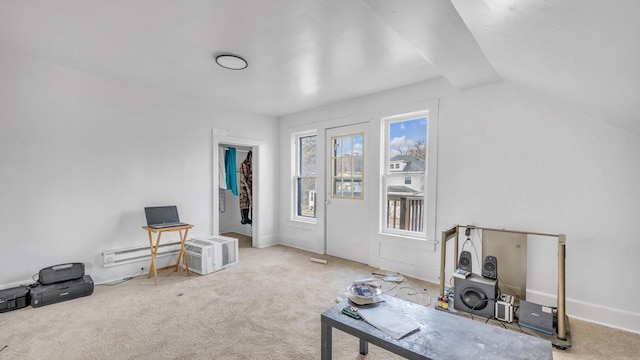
(267, 241)
(16, 284)
(594, 313)
(120, 279)
(101, 282)
(301, 248)
(296, 244)
(245, 229)
(604, 315)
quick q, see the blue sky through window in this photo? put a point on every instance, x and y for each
(403, 135)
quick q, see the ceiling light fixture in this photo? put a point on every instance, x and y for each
(231, 62)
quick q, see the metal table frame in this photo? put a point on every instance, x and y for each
(562, 338)
(441, 336)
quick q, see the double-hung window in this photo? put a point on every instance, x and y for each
(305, 177)
(406, 144)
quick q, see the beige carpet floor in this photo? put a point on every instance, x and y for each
(266, 307)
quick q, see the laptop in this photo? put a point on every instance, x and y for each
(160, 217)
(536, 317)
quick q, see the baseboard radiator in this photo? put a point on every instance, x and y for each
(135, 254)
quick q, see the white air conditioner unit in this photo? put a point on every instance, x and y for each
(200, 256)
(225, 251)
(211, 254)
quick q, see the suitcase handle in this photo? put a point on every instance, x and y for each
(60, 273)
(61, 267)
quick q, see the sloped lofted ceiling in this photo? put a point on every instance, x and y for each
(308, 53)
(582, 53)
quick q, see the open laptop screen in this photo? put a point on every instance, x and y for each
(161, 215)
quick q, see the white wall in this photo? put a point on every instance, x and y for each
(82, 155)
(512, 159)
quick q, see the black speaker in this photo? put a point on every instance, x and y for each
(490, 267)
(476, 295)
(465, 261)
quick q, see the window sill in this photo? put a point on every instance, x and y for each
(303, 223)
(421, 238)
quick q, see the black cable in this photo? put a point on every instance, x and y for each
(123, 280)
(494, 318)
(482, 301)
(379, 277)
(503, 283)
(35, 282)
(478, 303)
(475, 251)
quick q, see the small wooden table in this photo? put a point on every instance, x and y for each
(154, 249)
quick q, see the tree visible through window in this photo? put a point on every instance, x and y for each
(347, 166)
(306, 176)
(405, 178)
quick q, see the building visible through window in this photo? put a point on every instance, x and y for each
(347, 166)
(404, 190)
(305, 179)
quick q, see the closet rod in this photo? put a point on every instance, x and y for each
(237, 150)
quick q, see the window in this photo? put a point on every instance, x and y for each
(305, 178)
(347, 166)
(406, 144)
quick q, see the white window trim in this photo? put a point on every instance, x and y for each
(362, 176)
(295, 139)
(406, 113)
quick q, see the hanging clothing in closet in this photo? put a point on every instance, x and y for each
(246, 187)
(230, 164)
(222, 169)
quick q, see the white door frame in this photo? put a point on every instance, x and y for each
(217, 140)
(359, 121)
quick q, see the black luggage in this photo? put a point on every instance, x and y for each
(14, 298)
(42, 295)
(60, 273)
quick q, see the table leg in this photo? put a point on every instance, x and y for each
(364, 347)
(152, 257)
(326, 340)
(183, 253)
(154, 251)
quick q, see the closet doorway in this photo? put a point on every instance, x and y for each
(235, 209)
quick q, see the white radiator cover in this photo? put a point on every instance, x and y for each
(140, 253)
(225, 253)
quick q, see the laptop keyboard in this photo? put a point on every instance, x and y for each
(166, 225)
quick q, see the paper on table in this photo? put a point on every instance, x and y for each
(393, 323)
